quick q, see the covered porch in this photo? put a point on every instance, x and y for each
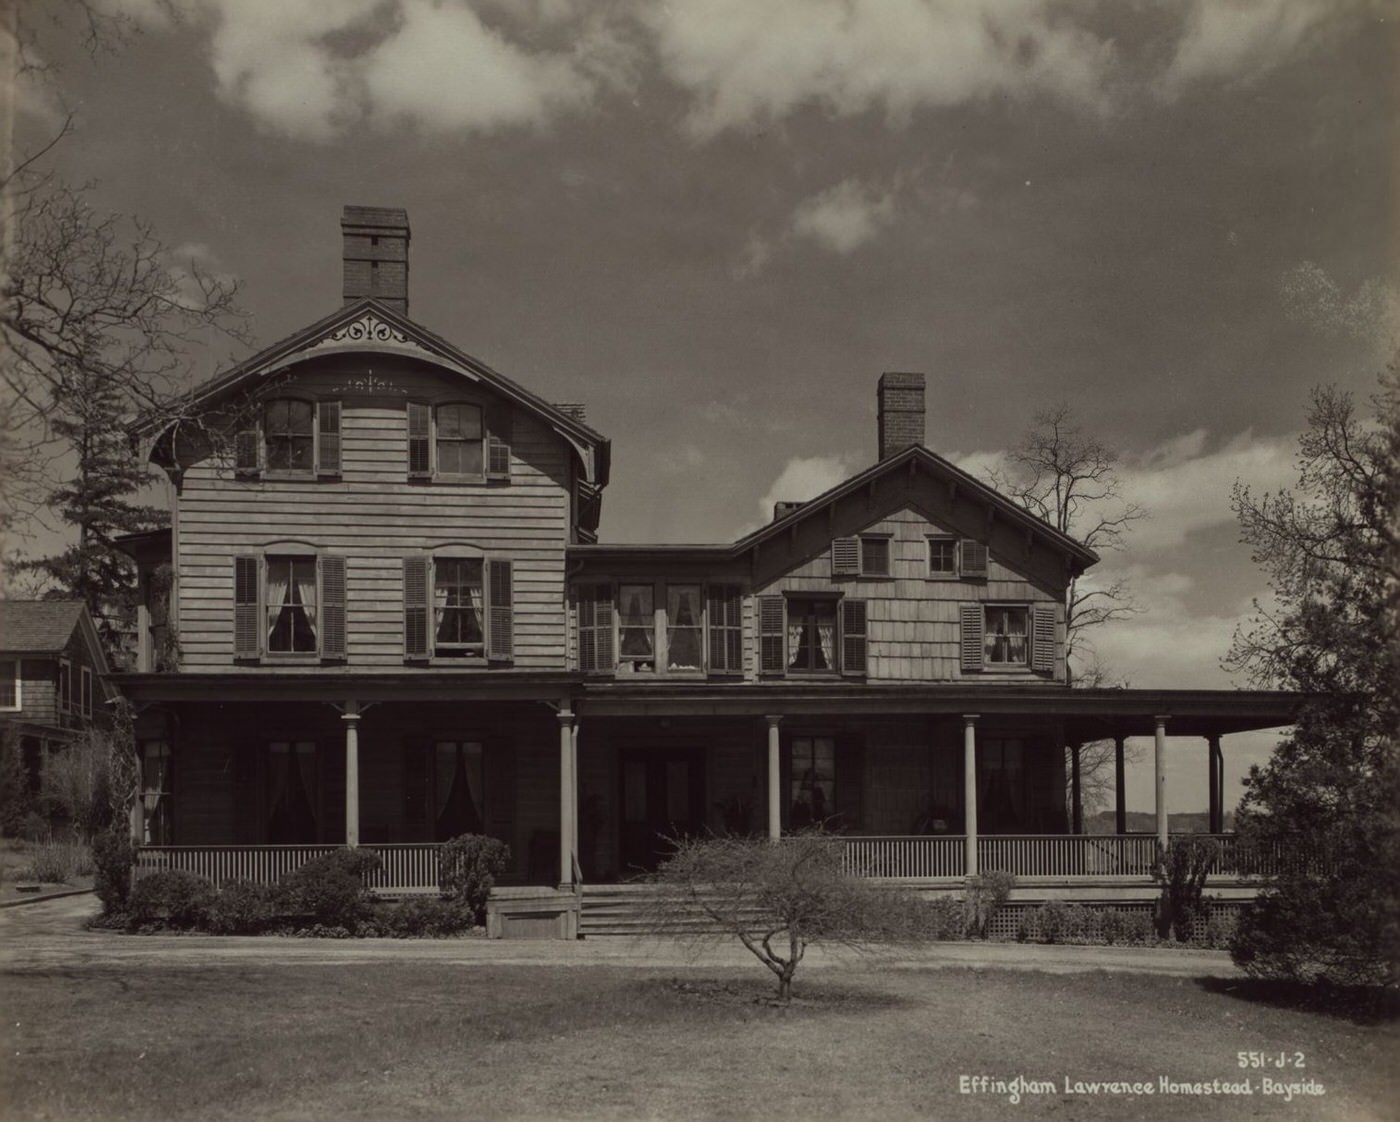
(586, 781)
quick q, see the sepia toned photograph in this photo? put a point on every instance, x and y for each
(699, 559)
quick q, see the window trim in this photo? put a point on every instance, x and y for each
(494, 441)
(847, 610)
(1028, 637)
(331, 612)
(497, 619)
(64, 684)
(250, 444)
(590, 594)
(18, 680)
(866, 571)
(941, 574)
(86, 684)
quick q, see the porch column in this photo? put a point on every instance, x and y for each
(566, 797)
(1076, 794)
(1159, 772)
(1120, 797)
(775, 780)
(970, 792)
(573, 767)
(1215, 762)
(351, 717)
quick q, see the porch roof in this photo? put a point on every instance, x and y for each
(1086, 714)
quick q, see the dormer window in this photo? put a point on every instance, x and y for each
(458, 442)
(459, 436)
(289, 435)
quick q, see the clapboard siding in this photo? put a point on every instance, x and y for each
(913, 620)
(374, 517)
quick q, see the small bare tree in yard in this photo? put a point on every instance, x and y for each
(776, 898)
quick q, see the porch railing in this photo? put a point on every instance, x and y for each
(405, 867)
(413, 867)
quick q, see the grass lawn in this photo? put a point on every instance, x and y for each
(439, 1041)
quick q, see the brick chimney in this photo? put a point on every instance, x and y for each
(376, 255)
(901, 420)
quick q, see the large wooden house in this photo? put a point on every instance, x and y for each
(382, 616)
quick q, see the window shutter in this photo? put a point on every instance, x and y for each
(772, 623)
(1043, 638)
(419, 460)
(247, 623)
(499, 608)
(595, 628)
(972, 558)
(498, 437)
(853, 636)
(332, 607)
(415, 607)
(245, 451)
(845, 557)
(972, 626)
(328, 438)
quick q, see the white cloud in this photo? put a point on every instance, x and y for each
(190, 266)
(312, 70)
(844, 217)
(1185, 489)
(746, 63)
(803, 478)
(1241, 39)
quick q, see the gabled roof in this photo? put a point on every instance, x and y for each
(912, 459)
(369, 325)
(44, 627)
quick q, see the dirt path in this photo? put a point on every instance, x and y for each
(49, 934)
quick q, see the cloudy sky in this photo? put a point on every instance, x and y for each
(717, 222)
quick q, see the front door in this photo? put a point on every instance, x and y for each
(663, 798)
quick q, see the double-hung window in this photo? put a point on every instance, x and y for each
(951, 558)
(812, 785)
(458, 607)
(459, 619)
(291, 436)
(458, 441)
(85, 690)
(660, 628)
(289, 605)
(1008, 637)
(156, 793)
(11, 696)
(803, 634)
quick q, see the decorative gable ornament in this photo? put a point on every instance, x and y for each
(369, 328)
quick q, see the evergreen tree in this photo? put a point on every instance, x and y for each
(1332, 788)
(96, 499)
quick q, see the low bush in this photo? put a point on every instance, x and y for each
(170, 898)
(986, 893)
(1137, 927)
(58, 862)
(945, 918)
(242, 907)
(1181, 869)
(422, 916)
(112, 858)
(1113, 926)
(468, 866)
(330, 889)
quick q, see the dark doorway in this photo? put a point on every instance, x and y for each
(662, 797)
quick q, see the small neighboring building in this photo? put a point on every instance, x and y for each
(53, 677)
